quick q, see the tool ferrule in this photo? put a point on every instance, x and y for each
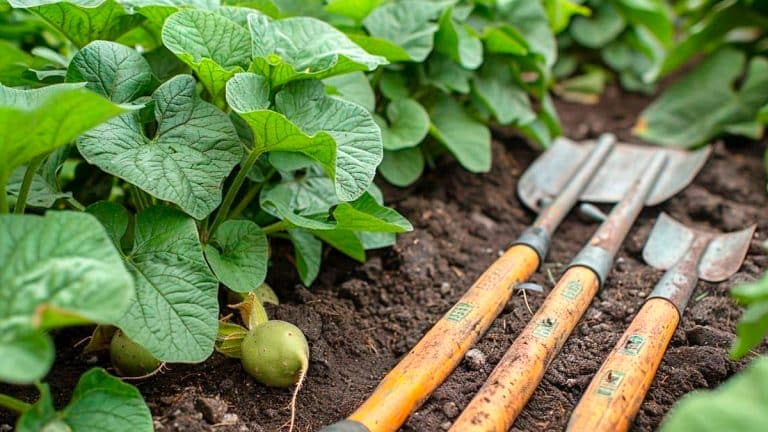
(595, 258)
(537, 239)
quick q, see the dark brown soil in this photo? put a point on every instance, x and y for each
(360, 319)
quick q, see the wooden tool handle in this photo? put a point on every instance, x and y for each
(513, 381)
(427, 365)
(616, 392)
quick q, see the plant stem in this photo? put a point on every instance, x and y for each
(75, 204)
(275, 227)
(138, 198)
(13, 404)
(252, 193)
(234, 188)
(3, 195)
(21, 201)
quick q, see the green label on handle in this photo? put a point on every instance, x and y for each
(572, 290)
(610, 383)
(633, 345)
(545, 327)
(459, 312)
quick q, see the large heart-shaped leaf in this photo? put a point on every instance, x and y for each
(356, 134)
(340, 135)
(215, 47)
(113, 70)
(99, 402)
(303, 47)
(409, 24)
(238, 254)
(174, 312)
(408, 124)
(302, 198)
(58, 270)
(704, 103)
(195, 148)
(52, 116)
(83, 21)
(465, 137)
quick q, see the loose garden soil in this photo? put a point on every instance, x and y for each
(361, 318)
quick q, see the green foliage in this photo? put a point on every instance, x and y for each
(753, 325)
(99, 402)
(738, 404)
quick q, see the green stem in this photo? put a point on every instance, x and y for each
(275, 227)
(234, 188)
(3, 195)
(252, 193)
(26, 184)
(13, 404)
(75, 204)
(138, 198)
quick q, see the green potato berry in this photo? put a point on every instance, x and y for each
(129, 358)
(275, 353)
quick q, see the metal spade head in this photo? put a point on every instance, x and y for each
(549, 174)
(721, 257)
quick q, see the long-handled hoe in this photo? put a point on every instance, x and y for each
(613, 397)
(498, 403)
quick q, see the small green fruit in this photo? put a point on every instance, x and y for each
(129, 358)
(276, 353)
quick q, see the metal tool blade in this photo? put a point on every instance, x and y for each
(725, 254)
(550, 172)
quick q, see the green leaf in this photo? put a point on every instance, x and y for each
(302, 198)
(248, 92)
(113, 217)
(560, 13)
(504, 39)
(458, 41)
(530, 19)
(353, 87)
(465, 137)
(358, 147)
(212, 45)
(407, 23)
(604, 25)
(403, 167)
(447, 75)
(737, 405)
(355, 9)
(58, 270)
(41, 193)
(652, 14)
(340, 135)
(381, 47)
(497, 88)
(83, 21)
(393, 85)
(195, 148)
(753, 325)
(302, 47)
(704, 103)
(99, 402)
(238, 254)
(175, 310)
(14, 62)
(408, 124)
(52, 116)
(308, 252)
(113, 70)
(344, 241)
(374, 240)
(366, 214)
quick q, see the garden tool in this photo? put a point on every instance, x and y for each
(506, 391)
(616, 392)
(435, 356)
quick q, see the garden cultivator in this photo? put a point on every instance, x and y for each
(619, 387)
(566, 174)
